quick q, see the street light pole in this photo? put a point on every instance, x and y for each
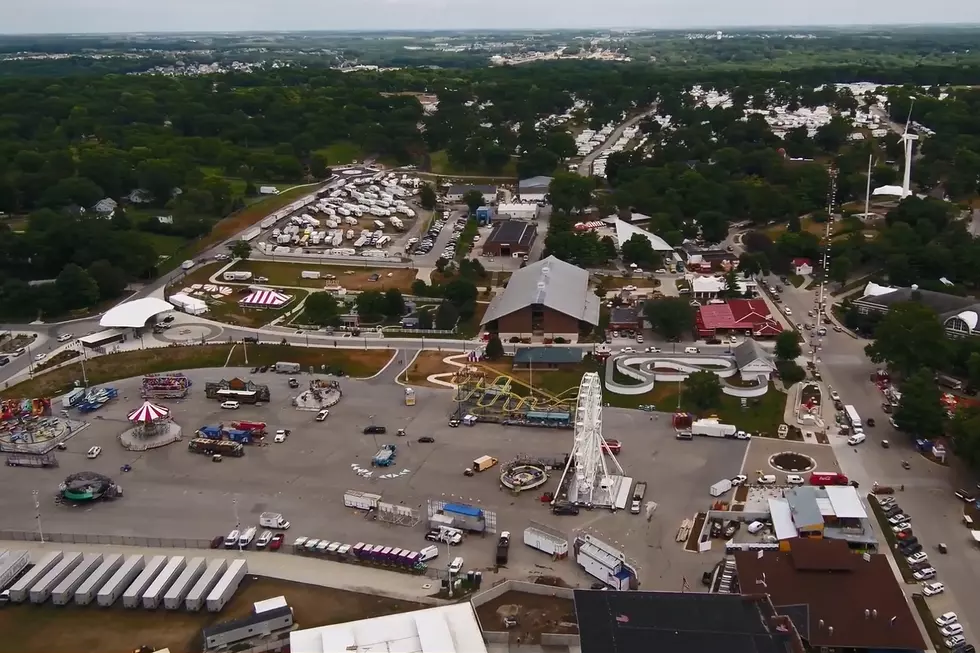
(37, 516)
(238, 523)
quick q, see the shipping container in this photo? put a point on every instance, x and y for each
(361, 500)
(309, 274)
(11, 564)
(174, 598)
(19, 590)
(251, 234)
(65, 590)
(41, 590)
(134, 593)
(199, 593)
(227, 585)
(120, 580)
(268, 222)
(154, 595)
(85, 594)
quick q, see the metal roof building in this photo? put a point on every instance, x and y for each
(510, 238)
(134, 314)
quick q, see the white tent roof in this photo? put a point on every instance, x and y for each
(625, 231)
(782, 519)
(874, 289)
(181, 300)
(271, 298)
(846, 503)
(134, 314)
(889, 191)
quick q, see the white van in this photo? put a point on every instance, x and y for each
(755, 527)
(857, 438)
(691, 350)
(456, 565)
(247, 537)
(428, 553)
(766, 479)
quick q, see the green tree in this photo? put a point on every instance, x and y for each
(446, 316)
(907, 339)
(473, 199)
(421, 289)
(731, 289)
(788, 346)
(789, 372)
(495, 348)
(639, 250)
(394, 304)
(964, 429)
(703, 389)
(748, 264)
(920, 412)
(322, 308)
(425, 319)
(460, 292)
(75, 288)
(371, 305)
(714, 226)
(841, 268)
(671, 317)
(973, 369)
(427, 197)
(570, 192)
(240, 249)
(110, 280)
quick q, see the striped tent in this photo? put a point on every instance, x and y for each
(148, 412)
(265, 299)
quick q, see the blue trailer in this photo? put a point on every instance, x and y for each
(465, 517)
(237, 435)
(210, 432)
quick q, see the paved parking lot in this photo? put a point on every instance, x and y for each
(172, 492)
(762, 449)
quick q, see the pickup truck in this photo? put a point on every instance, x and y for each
(503, 544)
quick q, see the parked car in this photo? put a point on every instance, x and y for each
(374, 429)
(276, 541)
(946, 619)
(65, 337)
(612, 446)
(899, 519)
(94, 452)
(794, 479)
(739, 479)
(925, 574)
(918, 558)
(954, 641)
(951, 630)
(263, 540)
(427, 439)
(280, 436)
(931, 589)
(230, 405)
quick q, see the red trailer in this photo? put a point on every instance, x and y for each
(257, 428)
(827, 478)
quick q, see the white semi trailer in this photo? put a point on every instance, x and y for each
(154, 595)
(65, 591)
(41, 590)
(199, 593)
(19, 590)
(134, 593)
(227, 586)
(120, 580)
(85, 594)
(174, 598)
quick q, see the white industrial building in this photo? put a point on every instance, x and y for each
(534, 189)
(188, 304)
(519, 211)
(446, 629)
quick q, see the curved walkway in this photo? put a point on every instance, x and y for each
(646, 374)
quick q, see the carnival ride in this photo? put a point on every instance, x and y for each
(587, 479)
(240, 390)
(152, 427)
(496, 401)
(96, 398)
(88, 486)
(645, 369)
(523, 474)
(165, 386)
(27, 426)
(322, 393)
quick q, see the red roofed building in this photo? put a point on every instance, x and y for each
(745, 315)
(803, 266)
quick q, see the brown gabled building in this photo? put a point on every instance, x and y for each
(548, 299)
(838, 600)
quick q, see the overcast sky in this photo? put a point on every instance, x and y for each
(60, 16)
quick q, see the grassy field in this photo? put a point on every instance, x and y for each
(48, 629)
(439, 162)
(427, 362)
(351, 278)
(342, 153)
(197, 274)
(236, 222)
(353, 362)
(111, 367)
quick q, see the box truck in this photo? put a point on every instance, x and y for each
(273, 520)
(63, 593)
(86, 592)
(134, 593)
(720, 488)
(207, 581)
(174, 598)
(11, 564)
(712, 428)
(638, 493)
(549, 543)
(162, 583)
(361, 500)
(310, 274)
(227, 586)
(19, 590)
(285, 367)
(41, 590)
(120, 580)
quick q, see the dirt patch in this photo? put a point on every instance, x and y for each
(48, 629)
(352, 362)
(427, 362)
(550, 581)
(351, 278)
(57, 359)
(790, 461)
(742, 494)
(9, 345)
(822, 437)
(535, 615)
(112, 367)
(694, 538)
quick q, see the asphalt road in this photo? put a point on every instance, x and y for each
(585, 168)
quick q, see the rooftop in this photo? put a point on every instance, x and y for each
(512, 232)
(546, 355)
(552, 283)
(835, 597)
(680, 622)
(446, 629)
(751, 351)
(540, 182)
(625, 231)
(461, 189)
(134, 314)
(250, 619)
(738, 314)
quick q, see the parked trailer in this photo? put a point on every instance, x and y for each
(65, 591)
(134, 593)
(546, 542)
(19, 590)
(120, 580)
(174, 598)
(41, 590)
(227, 586)
(11, 564)
(251, 234)
(160, 585)
(361, 500)
(268, 222)
(199, 593)
(85, 594)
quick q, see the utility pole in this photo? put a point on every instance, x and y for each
(831, 204)
(37, 516)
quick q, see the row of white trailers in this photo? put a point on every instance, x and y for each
(104, 579)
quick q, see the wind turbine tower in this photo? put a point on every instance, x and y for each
(907, 140)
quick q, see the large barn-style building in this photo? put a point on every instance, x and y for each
(548, 299)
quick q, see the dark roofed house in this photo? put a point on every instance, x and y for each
(959, 315)
(551, 358)
(510, 238)
(837, 599)
(624, 317)
(681, 622)
(547, 299)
